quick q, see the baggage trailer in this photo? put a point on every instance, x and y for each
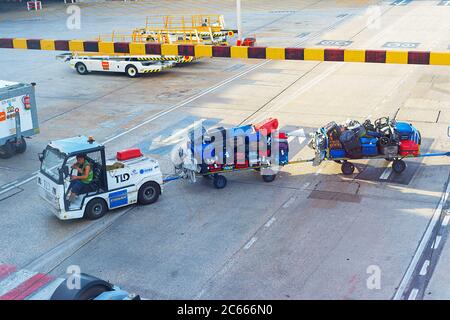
(386, 139)
(18, 117)
(217, 151)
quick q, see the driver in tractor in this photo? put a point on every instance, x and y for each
(80, 183)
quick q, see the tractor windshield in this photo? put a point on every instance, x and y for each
(52, 163)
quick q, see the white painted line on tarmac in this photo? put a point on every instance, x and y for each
(289, 202)
(437, 242)
(270, 222)
(387, 172)
(421, 248)
(413, 294)
(445, 221)
(174, 138)
(306, 185)
(250, 243)
(14, 280)
(300, 134)
(19, 184)
(424, 269)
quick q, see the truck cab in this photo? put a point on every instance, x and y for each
(128, 179)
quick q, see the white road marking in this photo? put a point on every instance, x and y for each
(445, 221)
(413, 294)
(250, 243)
(387, 172)
(437, 242)
(423, 242)
(19, 183)
(289, 202)
(46, 292)
(306, 185)
(424, 269)
(300, 134)
(270, 222)
(177, 136)
(14, 280)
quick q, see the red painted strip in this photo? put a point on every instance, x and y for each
(6, 270)
(294, 53)
(221, 51)
(6, 43)
(91, 46)
(34, 44)
(62, 45)
(334, 55)
(122, 47)
(418, 57)
(377, 56)
(257, 52)
(186, 50)
(152, 48)
(28, 287)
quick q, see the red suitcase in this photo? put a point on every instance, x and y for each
(408, 147)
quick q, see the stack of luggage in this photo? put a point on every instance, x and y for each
(353, 140)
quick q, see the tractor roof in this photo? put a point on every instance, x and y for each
(75, 145)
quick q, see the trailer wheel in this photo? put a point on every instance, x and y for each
(347, 168)
(21, 146)
(149, 193)
(269, 177)
(95, 209)
(219, 181)
(81, 68)
(131, 71)
(7, 150)
(398, 166)
(89, 289)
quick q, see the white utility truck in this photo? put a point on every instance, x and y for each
(128, 179)
(18, 117)
(133, 66)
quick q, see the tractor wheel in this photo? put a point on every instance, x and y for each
(21, 146)
(131, 71)
(81, 68)
(149, 193)
(347, 168)
(95, 209)
(398, 166)
(220, 181)
(269, 178)
(89, 288)
(7, 150)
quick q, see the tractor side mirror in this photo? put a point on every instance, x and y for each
(41, 156)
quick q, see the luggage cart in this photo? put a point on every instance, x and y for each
(394, 142)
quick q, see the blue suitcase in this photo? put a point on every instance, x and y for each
(404, 130)
(369, 146)
(337, 153)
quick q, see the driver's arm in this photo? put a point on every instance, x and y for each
(85, 175)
